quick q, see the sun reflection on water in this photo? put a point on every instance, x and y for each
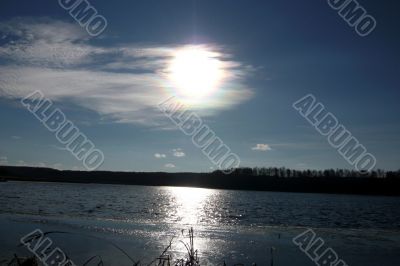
(190, 203)
(191, 210)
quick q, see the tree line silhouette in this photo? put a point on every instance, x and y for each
(338, 181)
(289, 173)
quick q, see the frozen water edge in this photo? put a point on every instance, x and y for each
(234, 244)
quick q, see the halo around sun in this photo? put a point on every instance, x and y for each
(195, 73)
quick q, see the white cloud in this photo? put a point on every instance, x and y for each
(169, 165)
(159, 155)
(16, 137)
(261, 147)
(178, 152)
(44, 42)
(121, 83)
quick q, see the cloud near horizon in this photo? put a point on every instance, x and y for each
(169, 165)
(122, 83)
(261, 147)
(178, 152)
(160, 155)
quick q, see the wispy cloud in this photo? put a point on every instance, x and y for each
(160, 155)
(169, 165)
(261, 147)
(122, 83)
(178, 152)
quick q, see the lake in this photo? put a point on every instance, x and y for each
(235, 226)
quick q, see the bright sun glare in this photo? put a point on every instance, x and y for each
(191, 202)
(195, 73)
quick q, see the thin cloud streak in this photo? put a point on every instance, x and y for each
(261, 147)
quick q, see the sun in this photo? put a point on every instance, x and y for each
(195, 73)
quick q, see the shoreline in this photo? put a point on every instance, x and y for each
(242, 182)
(224, 189)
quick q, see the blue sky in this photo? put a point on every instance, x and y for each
(274, 51)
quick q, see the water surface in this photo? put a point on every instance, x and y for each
(235, 226)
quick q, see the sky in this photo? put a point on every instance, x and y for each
(261, 57)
